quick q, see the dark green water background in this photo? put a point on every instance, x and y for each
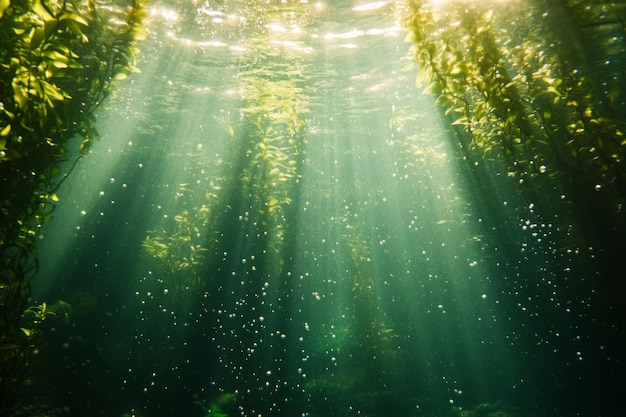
(402, 278)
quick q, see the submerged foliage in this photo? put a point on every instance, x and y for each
(522, 90)
(261, 186)
(58, 62)
(256, 185)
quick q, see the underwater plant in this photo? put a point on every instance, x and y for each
(59, 62)
(523, 92)
(258, 182)
(506, 81)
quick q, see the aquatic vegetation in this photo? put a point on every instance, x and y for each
(269, 142)
(466, 63)
(277, 123)
(181, 247)
(35, 315)
(31, 337)
(59, 60)
(507, 82)
(517, 93)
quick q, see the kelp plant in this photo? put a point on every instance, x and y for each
(523, 91)
(58, 60)
(257, 180)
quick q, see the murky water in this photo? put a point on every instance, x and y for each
(278, 223)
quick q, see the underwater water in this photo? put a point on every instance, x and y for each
(277, 222)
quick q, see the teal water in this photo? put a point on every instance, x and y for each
(277, 222)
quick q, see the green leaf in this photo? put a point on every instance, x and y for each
(4, 4)
(53, 55)
(120, 76)
(36, 37)
(73, 17)
(20, 94)
(85, 145)
(272, 201)
(53, 92)
(42, 11)
(75, 28)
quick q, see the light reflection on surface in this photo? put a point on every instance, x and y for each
(375, 5)
(284, 32)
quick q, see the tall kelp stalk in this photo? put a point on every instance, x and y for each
(59, 60)
(525, 87)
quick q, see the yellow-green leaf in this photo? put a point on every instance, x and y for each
(274, 172)
(20, 95)
(4, 4)
(42, 11)
(36, 37)
(120, 76)
(462, 121)
(74, 17)
(52, 91)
